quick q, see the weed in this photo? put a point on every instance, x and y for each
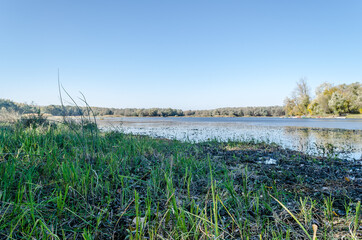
(33, 120)
(56, 185)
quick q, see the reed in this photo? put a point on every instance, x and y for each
(66, 182)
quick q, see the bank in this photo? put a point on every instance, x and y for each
(73, 181)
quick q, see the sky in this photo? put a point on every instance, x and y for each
(179, 54)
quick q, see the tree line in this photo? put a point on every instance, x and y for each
(169, 112)
(58, 110)
(329, 99)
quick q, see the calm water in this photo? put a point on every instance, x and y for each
(313, 136)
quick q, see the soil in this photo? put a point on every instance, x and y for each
(294, 171)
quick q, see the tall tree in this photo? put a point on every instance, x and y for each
(300, 99)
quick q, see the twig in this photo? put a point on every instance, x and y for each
(114, 229)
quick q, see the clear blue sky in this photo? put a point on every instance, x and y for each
(179, 54)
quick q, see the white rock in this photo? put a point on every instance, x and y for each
(271, 161)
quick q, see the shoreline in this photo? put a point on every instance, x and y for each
(350, 116)
(109, 183)
(294, 117)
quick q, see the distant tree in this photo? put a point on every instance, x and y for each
(180, 113)
(302, 96)
(298, 103)
(289, 105)
(338, 103)
(53, 110)
(152, 112)
(8, 105)
(109, 112)
(189, 113)
(57, 110)
(320, 105)
(353, 94)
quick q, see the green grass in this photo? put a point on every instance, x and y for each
(354, 116)
(67, 183)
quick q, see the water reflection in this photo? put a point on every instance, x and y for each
(346, 143)
(326, 142)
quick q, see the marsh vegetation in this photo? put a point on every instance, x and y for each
(71, 181)
(320, 137)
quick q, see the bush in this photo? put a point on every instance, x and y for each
(9, 116)
(83, 124)
(33, 120)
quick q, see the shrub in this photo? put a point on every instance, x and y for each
(83, 124)
(9, 116)
(33, 120)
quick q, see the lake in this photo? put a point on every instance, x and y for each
(327, 136)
